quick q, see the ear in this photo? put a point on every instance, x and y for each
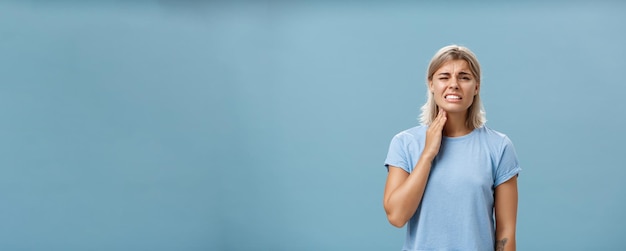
(477, 89)
(430, 86)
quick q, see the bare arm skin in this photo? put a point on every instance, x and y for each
(505, 206)
(404, 191)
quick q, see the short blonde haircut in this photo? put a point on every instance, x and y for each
(476, 113)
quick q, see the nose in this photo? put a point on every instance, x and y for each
(454, 84)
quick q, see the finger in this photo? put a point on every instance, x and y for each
(439, 115)
(441, 120)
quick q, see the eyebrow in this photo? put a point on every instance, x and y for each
(460, 73)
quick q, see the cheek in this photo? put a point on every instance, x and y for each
(437, 87)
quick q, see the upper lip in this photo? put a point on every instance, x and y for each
(455, 94)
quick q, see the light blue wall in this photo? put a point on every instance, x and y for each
(190, 125)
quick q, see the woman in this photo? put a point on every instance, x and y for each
(448, 176)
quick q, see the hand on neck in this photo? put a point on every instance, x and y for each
(455, 125)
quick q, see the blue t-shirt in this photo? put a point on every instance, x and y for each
(456, 211)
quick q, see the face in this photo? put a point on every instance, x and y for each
(454, 86)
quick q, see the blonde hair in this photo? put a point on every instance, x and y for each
(476, 113)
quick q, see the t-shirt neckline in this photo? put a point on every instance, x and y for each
(466, 136)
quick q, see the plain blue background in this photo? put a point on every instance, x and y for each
(191, 125)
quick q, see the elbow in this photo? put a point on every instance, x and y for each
(396, 221)
(394, 218)
(398, 224)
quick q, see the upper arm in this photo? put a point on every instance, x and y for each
(505, 205)
(395, 177)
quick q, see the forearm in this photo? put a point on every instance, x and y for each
(505, 206)
(505, 241)
(404, 200)
(404, 191)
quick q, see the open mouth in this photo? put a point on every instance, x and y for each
(451, 97)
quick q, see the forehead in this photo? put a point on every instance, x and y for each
(454, 66)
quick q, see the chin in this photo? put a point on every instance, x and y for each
(454, 108)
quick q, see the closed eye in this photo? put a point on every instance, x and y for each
(465, 76)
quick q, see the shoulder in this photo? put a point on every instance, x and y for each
(410, 138)
(494, 137)
(413, 133)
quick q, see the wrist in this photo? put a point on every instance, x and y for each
(427, 158)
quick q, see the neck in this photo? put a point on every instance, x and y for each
(455, 125)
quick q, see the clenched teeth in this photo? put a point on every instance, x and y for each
(452, 97)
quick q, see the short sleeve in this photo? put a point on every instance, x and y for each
(508, 166)
(397, 155)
